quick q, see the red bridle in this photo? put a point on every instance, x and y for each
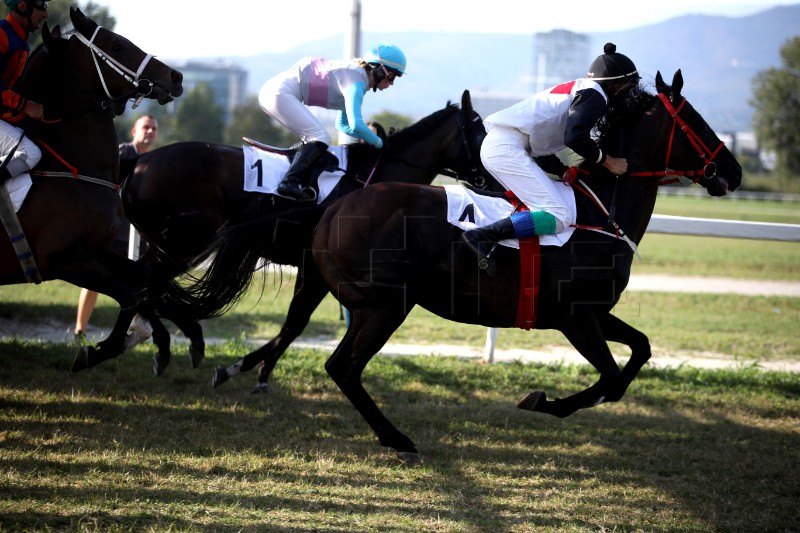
(684, 176)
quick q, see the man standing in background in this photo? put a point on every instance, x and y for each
(145, 134)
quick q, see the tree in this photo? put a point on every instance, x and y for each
(198, 118)
(249, 120)
(776, 99)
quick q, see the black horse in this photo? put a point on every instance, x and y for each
(180, 195)
(72, 211)
(385, 249)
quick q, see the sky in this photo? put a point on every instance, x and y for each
(173, 29)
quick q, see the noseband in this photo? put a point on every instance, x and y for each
(686, 177)
(141, 87)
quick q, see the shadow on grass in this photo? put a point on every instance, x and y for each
(684, 450)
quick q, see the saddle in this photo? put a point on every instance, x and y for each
(326, 162)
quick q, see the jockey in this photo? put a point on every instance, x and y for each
(23, 18)
(522, 140)
(332, 84)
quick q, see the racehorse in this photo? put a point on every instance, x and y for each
(82, 80)
(384, 249)
(180, 195)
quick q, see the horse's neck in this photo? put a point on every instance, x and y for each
(408, 165)
(87, 142)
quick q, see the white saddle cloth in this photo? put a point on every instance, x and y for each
(263, 171)
(468, 210)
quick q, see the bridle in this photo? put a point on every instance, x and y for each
(141, 87)
(686, 177)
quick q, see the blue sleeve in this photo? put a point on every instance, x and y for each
(350, 122)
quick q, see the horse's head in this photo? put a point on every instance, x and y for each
(693, 149)
(470, 124)
(123, 70)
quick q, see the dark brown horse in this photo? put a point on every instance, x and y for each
(72, 211)
(180, 195)
(385, 249)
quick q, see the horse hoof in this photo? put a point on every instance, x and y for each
(81, 361)
(410, 459)
(220, 376)
(159, 365)
(196, 354)
(531, 400)
(260, 388)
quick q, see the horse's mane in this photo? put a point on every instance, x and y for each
(402, 138)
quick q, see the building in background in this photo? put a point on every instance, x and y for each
(558, 56)
(227, 80)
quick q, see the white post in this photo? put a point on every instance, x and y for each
(352, 47)
(491, 340)
(133, 244)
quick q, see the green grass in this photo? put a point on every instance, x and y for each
(116, 449)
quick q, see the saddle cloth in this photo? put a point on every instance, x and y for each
(469, 210)
(263, 171)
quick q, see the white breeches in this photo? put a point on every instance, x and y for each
(27, 155)
(504, 154)
(281, 100)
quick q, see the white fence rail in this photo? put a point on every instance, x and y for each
(702, 227)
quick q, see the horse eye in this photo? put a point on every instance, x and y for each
(116, 46)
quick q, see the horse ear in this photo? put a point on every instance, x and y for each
(466, 104)
(82, 23)
(660, 85)
(48, 35)
(677, 84)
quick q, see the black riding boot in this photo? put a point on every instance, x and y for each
(293, 183)
(5, 175)
(483, 241)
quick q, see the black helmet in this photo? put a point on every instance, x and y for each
(612, 66)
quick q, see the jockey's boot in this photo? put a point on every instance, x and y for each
(5, 175)
(483, 241)
(293, 184)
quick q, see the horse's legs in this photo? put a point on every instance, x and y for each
(310, 290)
(369, 330)
(118, 278)
(616, 330)
(585, 333)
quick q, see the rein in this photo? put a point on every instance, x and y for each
(686, 177)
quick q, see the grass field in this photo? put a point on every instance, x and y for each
(116, 449)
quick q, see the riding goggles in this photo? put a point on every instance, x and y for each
(41, 5)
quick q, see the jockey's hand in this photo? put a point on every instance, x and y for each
(34, 110)
(570, 176)
(617, 165)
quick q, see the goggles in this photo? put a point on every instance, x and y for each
(41, 5)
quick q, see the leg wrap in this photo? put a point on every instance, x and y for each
(529, 223)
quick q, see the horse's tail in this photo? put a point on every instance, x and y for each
(222, 273)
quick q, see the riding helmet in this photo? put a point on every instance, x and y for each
(612, 66)
(388, 55)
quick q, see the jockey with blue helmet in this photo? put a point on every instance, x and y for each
(24, 17)
(331, 84)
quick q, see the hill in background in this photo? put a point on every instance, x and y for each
(719, 57)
